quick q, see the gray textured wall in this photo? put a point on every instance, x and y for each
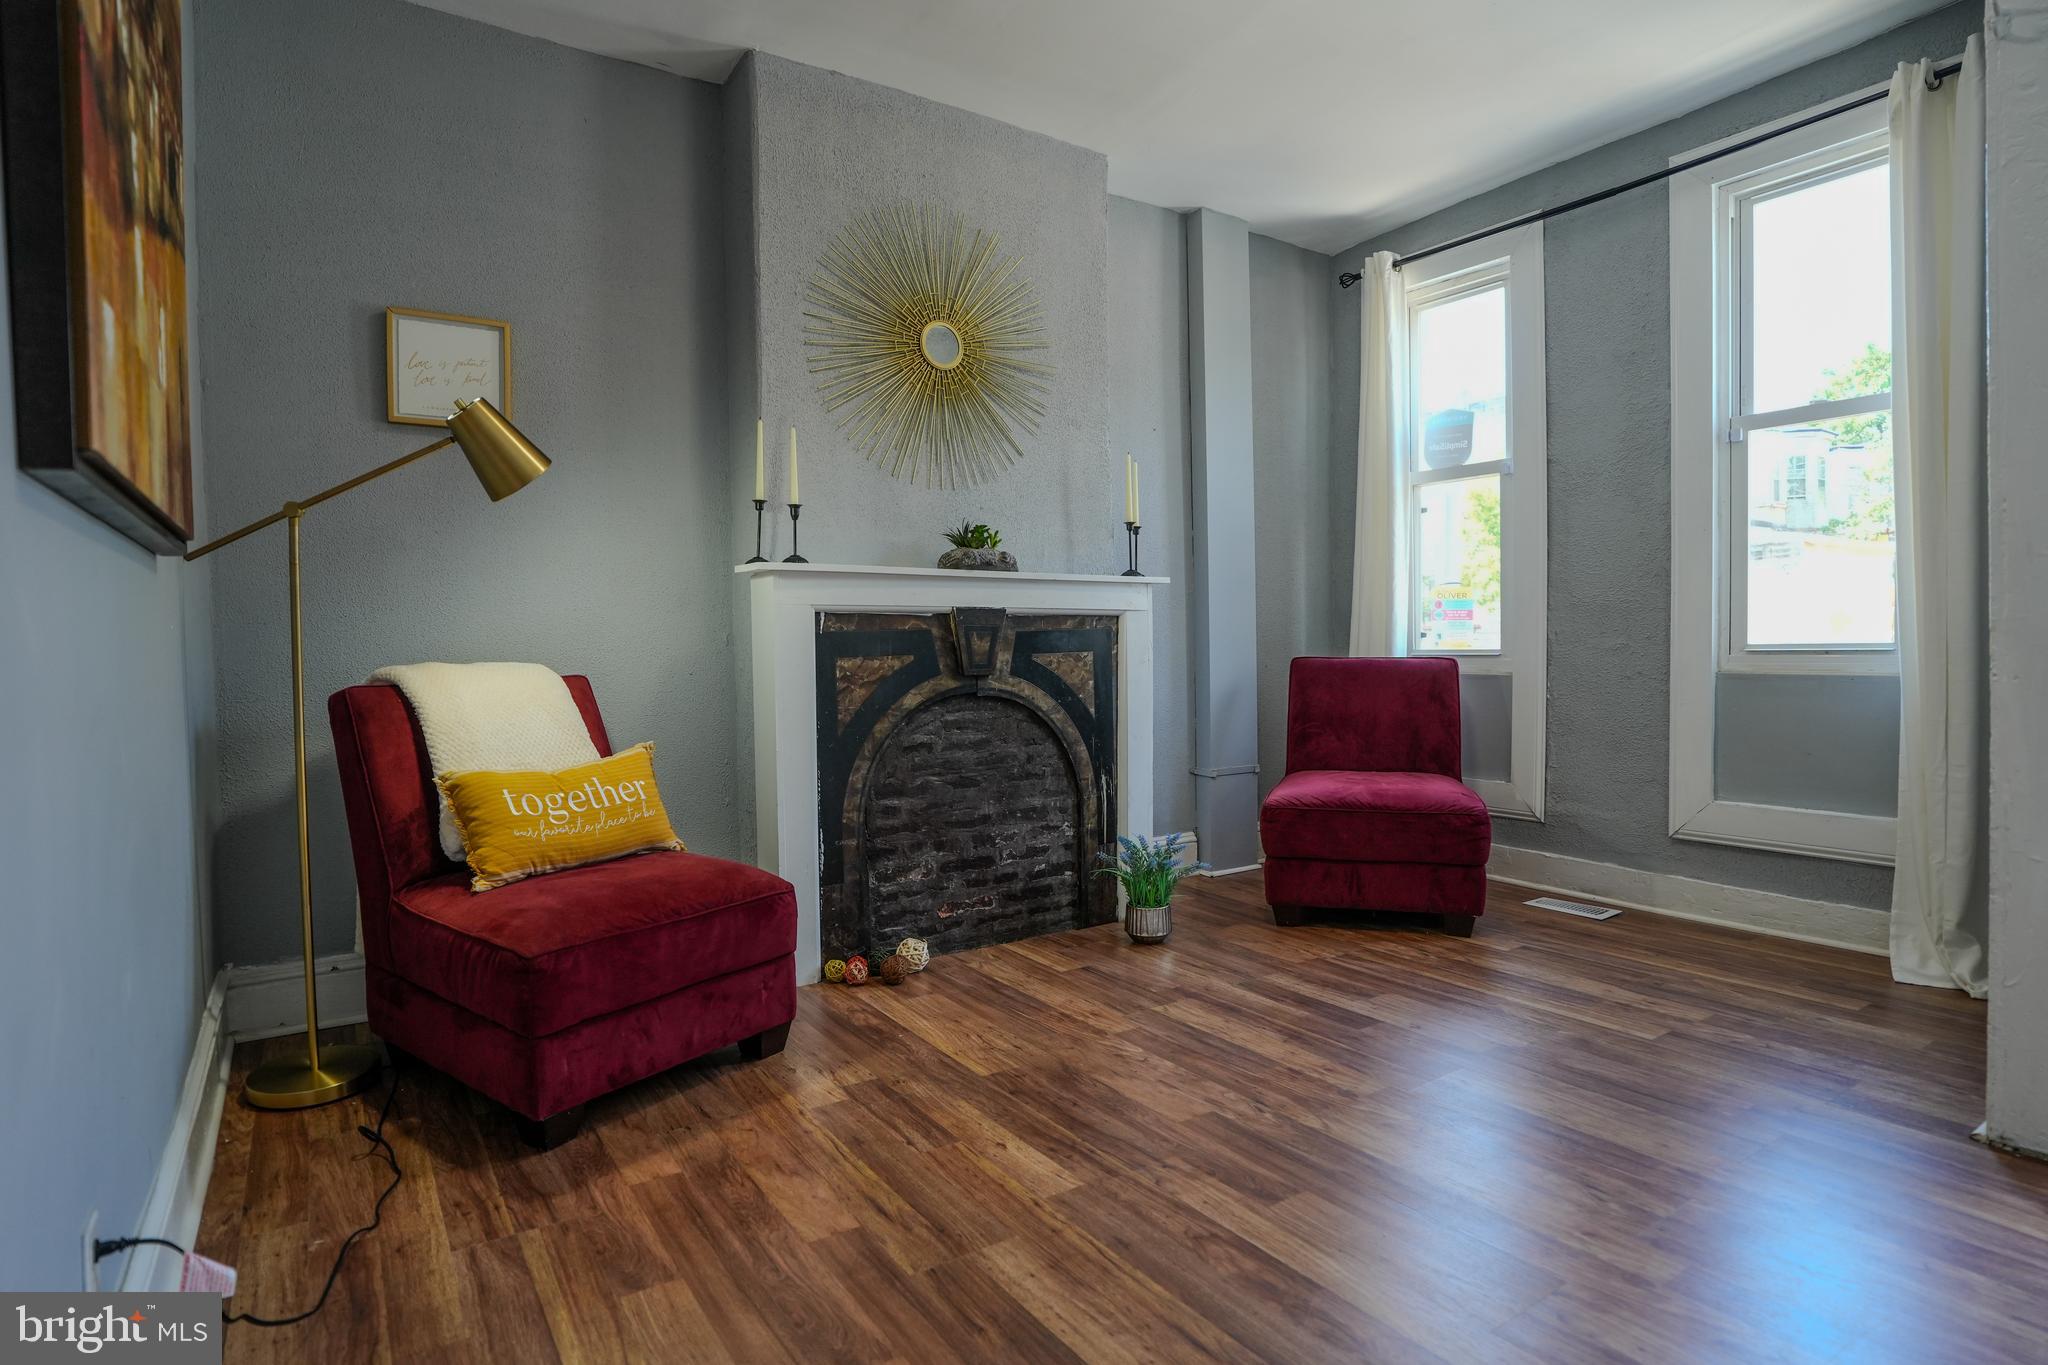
(106, 760)
(826, 147)
(1607, 321)
(736, 179)
(352, 161)
(808, 149)
(2016, 138)
(1299, 599)
(1148, 416)
(1223, 605)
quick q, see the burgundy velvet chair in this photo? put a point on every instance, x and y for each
(1371, 814)
(550, 991)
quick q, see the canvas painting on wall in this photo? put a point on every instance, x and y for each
(95, 172)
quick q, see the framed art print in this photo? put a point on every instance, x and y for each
(94, 133)
(432, 359)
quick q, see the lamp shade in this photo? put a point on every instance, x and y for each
(504, 461)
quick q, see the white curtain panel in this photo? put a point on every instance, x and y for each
(1939, 896)
(1375, 627)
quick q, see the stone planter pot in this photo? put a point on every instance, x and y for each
(1148, 923)
(991, 561)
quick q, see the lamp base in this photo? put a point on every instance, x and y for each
(345, 1068)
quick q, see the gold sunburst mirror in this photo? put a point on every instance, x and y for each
(921, 339)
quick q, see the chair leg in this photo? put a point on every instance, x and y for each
(544, 1135)
(1290, 914)
(766, 1043)
(1459, 926)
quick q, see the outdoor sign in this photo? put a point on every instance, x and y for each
(1447, 438)
(1451, 615)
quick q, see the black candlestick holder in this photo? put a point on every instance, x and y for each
(1133, 571)
(795, 510)
(760, 506)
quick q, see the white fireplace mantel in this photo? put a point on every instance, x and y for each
(785, 602)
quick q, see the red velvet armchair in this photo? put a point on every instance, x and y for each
(1371, 814)
(553, 990)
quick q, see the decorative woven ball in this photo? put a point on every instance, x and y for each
(856, 970)
(835, 970)
(895, 971)
(916, 954)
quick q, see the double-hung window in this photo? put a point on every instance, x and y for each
(1805, 341)
(1472, 546)
(1784, 563)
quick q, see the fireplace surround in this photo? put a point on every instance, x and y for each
(1107, 753)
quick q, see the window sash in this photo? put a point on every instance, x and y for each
(1741, 424)
(1415, 594)
(1449, 289)
(1445, 288)
(1736, 386)
(1424, 478)
(1738, 654)
(1742, 197)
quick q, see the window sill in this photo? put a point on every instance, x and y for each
(1504, 801)
(1835, 835)
(1847, 663)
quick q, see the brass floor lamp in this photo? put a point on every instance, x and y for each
(505, 462)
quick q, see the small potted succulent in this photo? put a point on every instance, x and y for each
(975, 547)
(1149, 870)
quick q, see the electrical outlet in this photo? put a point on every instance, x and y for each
(92, 1265)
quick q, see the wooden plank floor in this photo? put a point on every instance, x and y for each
(1559, 1140)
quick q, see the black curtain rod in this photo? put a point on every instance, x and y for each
(1935, 78)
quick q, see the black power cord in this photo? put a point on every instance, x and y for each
(377, 1140)
(380, 1146)
(105, 1247)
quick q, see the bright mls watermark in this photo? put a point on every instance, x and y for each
(179, 1329)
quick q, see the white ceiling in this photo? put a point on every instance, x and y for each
(1321, 122)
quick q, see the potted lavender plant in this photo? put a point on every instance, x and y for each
(1149, 870)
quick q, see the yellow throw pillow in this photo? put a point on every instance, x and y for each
(517, 825)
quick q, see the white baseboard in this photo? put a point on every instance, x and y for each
(270, 1001)
(1194, 855)
(1661, 893)
(243, 1003)
(177, 1193)
(1982, 1133)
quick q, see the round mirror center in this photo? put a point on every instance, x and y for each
(940, 343)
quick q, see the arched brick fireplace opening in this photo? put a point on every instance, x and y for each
(966, 776)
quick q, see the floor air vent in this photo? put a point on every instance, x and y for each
(1579, 908)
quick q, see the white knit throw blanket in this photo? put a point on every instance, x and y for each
(511, 717)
